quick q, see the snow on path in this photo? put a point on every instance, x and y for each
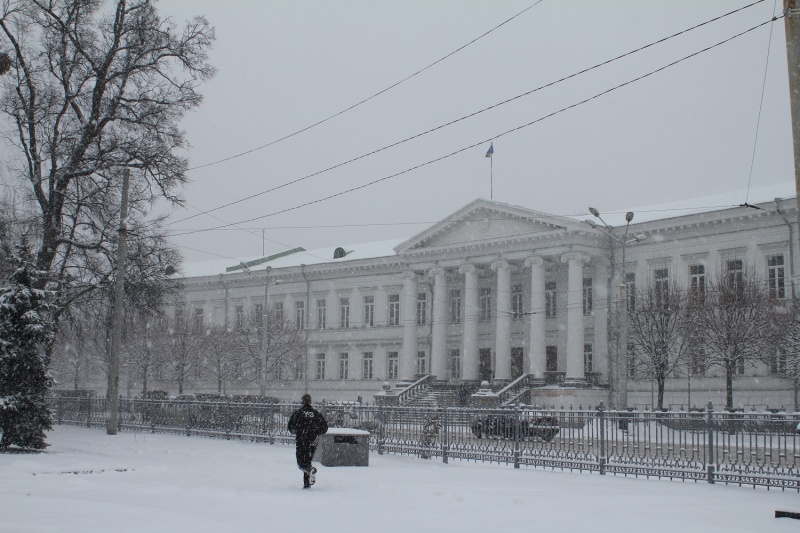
(138, 482)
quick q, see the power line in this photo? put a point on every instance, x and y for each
(365, 100)
(470, 115)
(495, 137)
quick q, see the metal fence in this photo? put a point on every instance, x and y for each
(751, 449)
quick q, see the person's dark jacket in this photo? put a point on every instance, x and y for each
(307, 423)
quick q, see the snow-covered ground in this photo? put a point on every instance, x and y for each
(90, 482)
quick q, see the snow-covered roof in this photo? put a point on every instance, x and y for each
(699, 204)
(372, 250)
(367, 250)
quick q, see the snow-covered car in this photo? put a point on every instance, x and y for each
(502, 426)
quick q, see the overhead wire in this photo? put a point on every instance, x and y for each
(760, 106)
(365, 100)
(497, 136)
(470, 115)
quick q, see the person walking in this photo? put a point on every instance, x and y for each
(307, 424)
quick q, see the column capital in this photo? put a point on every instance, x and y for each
(534, 260)
(409, 275)
(437, 271)
(466, 268)
(575, 256)
(497, 264)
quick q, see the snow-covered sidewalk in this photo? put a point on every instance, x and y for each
(89, 482)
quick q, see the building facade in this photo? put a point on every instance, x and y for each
(496, 292)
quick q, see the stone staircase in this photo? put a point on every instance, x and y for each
(437, 396)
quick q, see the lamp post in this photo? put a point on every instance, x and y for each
(619, 377)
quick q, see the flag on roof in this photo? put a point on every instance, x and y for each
(490, 152)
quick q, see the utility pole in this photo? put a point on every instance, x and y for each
(116, 317)
(792, 26)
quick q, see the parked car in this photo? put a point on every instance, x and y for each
(502, 426)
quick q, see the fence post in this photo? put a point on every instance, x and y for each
(445, 437)
(601, 410)
(271, 424)
(517, 421)
(710, 443)
(381, 423)
(188, 419)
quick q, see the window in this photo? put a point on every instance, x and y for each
(320, 366)
(394, 309)
(550, 299)
(517, 308)
(180, 319)
(697, 282)
(631, 361)
(322, 313)
(278, 308)
(735, 276)
(299, 370)
(455, 306)
(630, 281)
(366, 365)
(587, 296)
(486, 304)
(697, 357)
(197, 320)
(455, 363)
(661, 277)
(393, 366)
(344, 313)
(422, 363)
(779, 362)
(422, 309)
(239, 317)
(344, 366)
(300, 314)
(740, 365)
(587, 359)
(775, 277)
(369, 311)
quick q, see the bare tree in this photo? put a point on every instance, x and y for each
(220, 357)
(658, 331)
(287, 346)
(783, 355)
(92, 91)
(144, 342)
(183, 353)
(734, 323)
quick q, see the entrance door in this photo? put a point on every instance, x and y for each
(516, 363)
(551, 353)
(485, 365)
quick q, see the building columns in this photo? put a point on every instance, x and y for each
(408, 308)
(537, 357)
(469, 356)
(575, 339)
(502, 371)
(439, 325)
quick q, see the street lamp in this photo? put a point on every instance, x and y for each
(619, 377)
(265, 336)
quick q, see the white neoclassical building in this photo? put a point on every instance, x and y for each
(501, 293)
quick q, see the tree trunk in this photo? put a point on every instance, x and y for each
(661, 380)
(729, 386)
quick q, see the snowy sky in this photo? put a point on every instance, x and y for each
(686, 131)
(89, 482)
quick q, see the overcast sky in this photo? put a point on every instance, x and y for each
(689, 130)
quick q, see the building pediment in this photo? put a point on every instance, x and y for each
(486, 221)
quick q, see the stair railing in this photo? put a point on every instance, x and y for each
(513, 390)
(418, 388)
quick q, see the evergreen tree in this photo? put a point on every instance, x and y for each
(26, 329)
